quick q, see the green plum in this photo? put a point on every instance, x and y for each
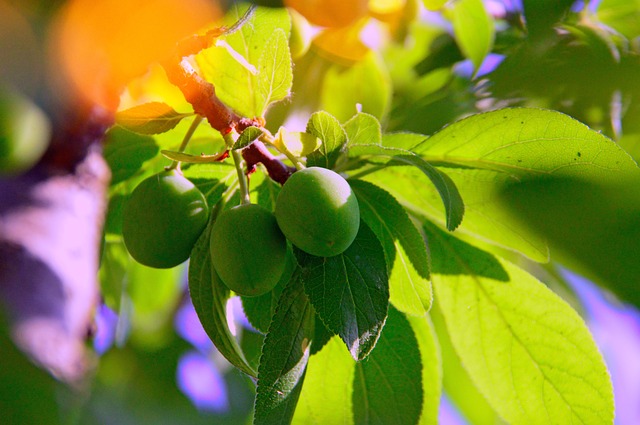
(317, 211)
(248, 250)
(163, 218)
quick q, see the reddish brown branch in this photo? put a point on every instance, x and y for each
(201, 95)
(257, 153)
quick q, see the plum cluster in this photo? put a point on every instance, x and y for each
(316, 211)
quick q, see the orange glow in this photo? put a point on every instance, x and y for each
(343, 44)
(330, 13)
(100, 45)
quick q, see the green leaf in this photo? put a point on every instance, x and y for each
(453, 204)
(473, 28)
(296, 143)
(209, 296)
(456, 381)
(113, 219)
(488, 152)
(528, 352)
(527, 143)
(193, 159)
(328, 129)
(275, 74)
(404, 247)
(434, 4)
(150, 118)
(542, 15)
(365, 83)
(268, 194)
(405, 141)
(446, 187)
(247, 137)
(29, 394)
(350, 291)
(155, 293)
(618, 14)
(284, 356)
(363, 129)
(211, 179)
(387, 387)
(125, 152)
(328, 385)
(321, 336)
(484, 214)
(237, 79)
(591, 228)
(431, 368)
(114, 268)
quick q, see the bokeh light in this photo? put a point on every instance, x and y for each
(100, 45)
(199, 379)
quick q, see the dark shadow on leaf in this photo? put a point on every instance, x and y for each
(594, 229)
(451, 256)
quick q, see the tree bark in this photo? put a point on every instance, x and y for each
(50, 232)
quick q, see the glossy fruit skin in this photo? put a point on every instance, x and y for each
(162, 220)
(248, 250)
(318, 212)
(25, 131)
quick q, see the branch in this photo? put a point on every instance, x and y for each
(257, 153)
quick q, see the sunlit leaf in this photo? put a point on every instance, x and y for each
(247, 137)
(326, 397)
(456, 381)
(275, 75)
(237, 81)
(193, 159)
(405, 250)
(528, 352)
(328, 129)
(446, 188)
(431, 368)
(149, 118)
(434, 4)
(486, 153)
(363, 129)
(473, 28)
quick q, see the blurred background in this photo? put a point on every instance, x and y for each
(415, 65)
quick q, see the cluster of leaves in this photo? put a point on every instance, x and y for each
(418, 307)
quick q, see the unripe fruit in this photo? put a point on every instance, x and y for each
(162, 220)
(24, 133)
(248, 250)
(317, 211)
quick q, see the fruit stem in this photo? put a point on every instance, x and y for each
(175, 165)
(230, 139)
(270, 140)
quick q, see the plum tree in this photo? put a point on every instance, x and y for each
(317, 211)
(163, 218)
(248, 250)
